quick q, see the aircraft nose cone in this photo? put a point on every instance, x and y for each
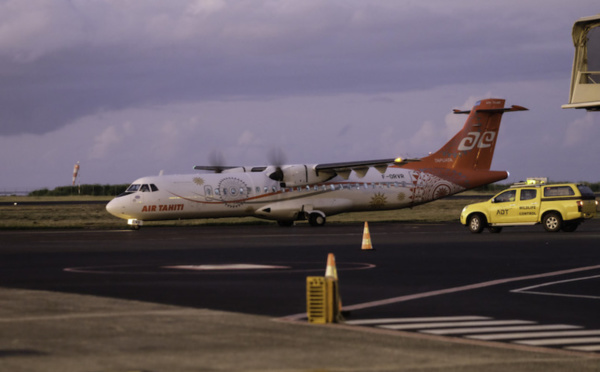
(113, 208)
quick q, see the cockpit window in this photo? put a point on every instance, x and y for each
(133, 188)
(145, 188)
(153, 187)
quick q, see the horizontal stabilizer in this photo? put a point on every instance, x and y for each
(512, 108)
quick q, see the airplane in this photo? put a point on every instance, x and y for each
(313, 192)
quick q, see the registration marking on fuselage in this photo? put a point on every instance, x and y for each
(240, 266)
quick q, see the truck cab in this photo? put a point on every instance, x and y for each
(556, 206)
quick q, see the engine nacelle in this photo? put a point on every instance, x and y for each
(297, 175)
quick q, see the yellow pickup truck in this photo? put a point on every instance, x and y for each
(557, 207)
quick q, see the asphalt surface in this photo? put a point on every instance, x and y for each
(160, 299)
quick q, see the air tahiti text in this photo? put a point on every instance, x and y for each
(162, 208)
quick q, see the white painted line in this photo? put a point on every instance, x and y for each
(413, 320)
(537, 327)
(526, 335)
(453, 324)
(226, 267)
(469, 287)
(584, 348)
(560, 341)
(528, 289)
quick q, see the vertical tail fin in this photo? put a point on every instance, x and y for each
(473, 147)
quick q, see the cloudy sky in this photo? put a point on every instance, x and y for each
(129, 87)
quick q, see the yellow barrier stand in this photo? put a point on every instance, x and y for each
(322, 300)
(316, 299)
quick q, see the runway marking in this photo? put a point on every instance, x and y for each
(217, 269)
(414, 320)
(527, 290)
(511, 331)
(453, 324)
(453, 331)
(509, 336)
(227, 267)
(469, 287)
(560, 341)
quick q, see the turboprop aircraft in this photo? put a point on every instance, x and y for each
(288, 193)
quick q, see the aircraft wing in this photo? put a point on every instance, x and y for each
(213, 168)
(360, 167)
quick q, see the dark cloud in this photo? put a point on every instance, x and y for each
(106, 56)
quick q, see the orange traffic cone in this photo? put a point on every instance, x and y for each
(331, 270)
(366, 241)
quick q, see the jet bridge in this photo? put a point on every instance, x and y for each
(585, 77)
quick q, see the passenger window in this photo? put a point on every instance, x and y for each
(217, 191)
(153, 187)
(233, 191)
(528, 194)
(266, 189)
(507, 196)
(257, 190)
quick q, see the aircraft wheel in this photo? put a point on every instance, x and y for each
(552, 222)
(476, 223)
(316, 219)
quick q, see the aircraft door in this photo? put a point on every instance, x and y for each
(208, 191)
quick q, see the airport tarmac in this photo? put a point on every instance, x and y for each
(138, 301)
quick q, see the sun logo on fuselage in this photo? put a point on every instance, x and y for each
(378, 201)
(198, 181)
(233, 191)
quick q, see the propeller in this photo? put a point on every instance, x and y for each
(277, 158)
(217, 161)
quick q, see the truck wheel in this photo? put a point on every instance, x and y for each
(552, 222)
(475, 224)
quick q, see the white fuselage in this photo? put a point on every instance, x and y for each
(239, 194)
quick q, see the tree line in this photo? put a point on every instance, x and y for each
(88, 190)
